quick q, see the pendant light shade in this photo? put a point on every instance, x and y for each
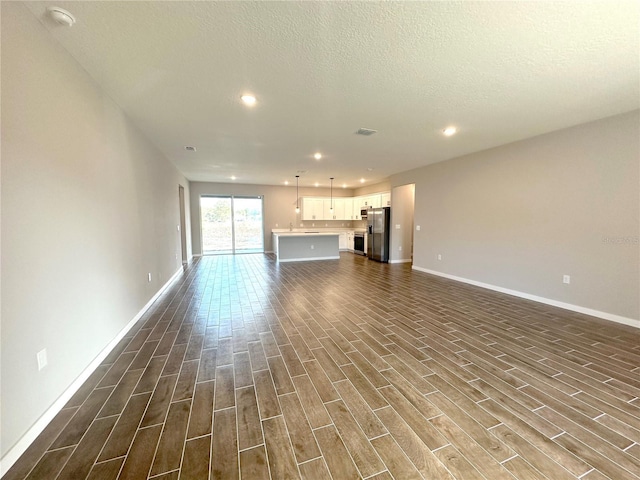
(331, 201)
(297, 197)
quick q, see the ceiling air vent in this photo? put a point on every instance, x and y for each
(366, 131)
(189, 148)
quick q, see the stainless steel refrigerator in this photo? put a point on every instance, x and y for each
(378, 233)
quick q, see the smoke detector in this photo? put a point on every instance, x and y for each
(190, 148)
(366, 131)
(61, 16)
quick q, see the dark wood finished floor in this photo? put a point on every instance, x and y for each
(350, 369)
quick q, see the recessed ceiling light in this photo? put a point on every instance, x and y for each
(449, 131)
(317, 184)
(233, 177)
(248, 99)
(286, 182)
(344, 185)
(362, 180)
(317, 156)
(370, 169)
(190, 148)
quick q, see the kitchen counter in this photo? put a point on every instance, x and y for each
(306, 246)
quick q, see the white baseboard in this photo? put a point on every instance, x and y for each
(307, 259)
(27, 439)
(402, 260)
(567, 306)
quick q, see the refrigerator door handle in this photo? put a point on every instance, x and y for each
(370, 229)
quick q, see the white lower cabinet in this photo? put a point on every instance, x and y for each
(350, 241)
(342, 241)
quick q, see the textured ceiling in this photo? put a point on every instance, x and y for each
(499, 71)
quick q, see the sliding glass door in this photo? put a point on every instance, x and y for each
(247, 224)
(231, 224)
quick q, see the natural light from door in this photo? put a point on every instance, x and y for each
(231, 225)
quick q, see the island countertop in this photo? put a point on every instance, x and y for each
(304, 234)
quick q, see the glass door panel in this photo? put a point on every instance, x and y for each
(217, 225)
(247, 224)
(231, 225)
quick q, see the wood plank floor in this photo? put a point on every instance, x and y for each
(345, 369)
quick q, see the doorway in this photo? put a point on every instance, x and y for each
(231, 224)
(183, 225)
(402, 213)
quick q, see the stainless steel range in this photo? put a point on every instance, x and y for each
(359, 243)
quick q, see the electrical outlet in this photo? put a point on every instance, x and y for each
(439, 257)
(42, 359)
(400, 248)
(149, 277)
(176, 256)
(566, 279)
(276, 225)
(418, 227)
(312, 247)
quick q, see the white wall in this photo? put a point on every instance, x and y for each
(523, 215)
(383, 186)
(89, 207)
(402, 199)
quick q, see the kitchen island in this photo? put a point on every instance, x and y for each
(305, 246)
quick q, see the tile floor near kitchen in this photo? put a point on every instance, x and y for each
(350, 369)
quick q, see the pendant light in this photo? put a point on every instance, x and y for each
(331, 202)
(297, 197)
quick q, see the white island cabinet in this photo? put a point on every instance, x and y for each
(305, 246)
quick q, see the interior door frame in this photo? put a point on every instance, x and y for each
(183, 225)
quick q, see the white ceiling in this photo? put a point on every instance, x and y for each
(498, 71)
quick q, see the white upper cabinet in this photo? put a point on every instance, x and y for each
(328, 214)
(344, 208)
(371, 201)
(312, 208)
(339, 212)
(358, 204)
(348, 208)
